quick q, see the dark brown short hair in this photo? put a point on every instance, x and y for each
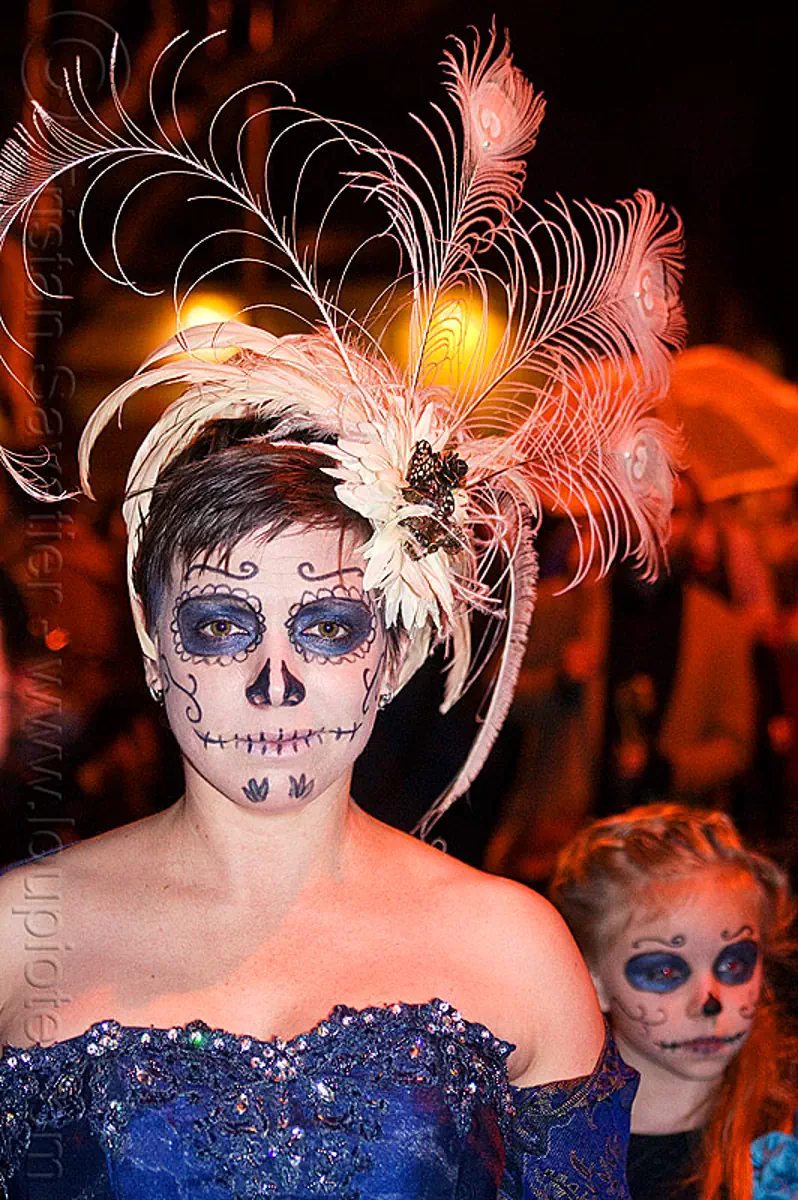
(228, 483)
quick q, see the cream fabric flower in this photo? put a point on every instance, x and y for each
(371, 477)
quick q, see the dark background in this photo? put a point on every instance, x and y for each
(696, 102)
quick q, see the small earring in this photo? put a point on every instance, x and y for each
(385, 698)
(156, 693)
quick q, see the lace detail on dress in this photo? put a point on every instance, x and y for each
(257, 1118)
(571, 1138)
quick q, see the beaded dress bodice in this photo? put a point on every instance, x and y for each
(407, 1102)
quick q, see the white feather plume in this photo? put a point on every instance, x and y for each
(558, 411)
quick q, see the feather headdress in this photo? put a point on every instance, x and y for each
(451, 477)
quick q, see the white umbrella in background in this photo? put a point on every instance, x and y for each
(740, 422)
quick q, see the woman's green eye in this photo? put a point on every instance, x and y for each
(332, 627)
(217, 625)
(220, 627)
(331, 631)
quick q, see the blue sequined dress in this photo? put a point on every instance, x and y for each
(408, 1102)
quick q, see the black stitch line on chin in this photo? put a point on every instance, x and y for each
(212, 589)
(306, 571)
(192, 695)
(247, 569)
(735, 1037)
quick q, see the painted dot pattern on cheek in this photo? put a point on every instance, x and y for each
(216, 624)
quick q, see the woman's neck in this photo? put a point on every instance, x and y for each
(215, 843)
(666, 1103)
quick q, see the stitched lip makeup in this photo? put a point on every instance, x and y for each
(283, 742)
(704, 1045)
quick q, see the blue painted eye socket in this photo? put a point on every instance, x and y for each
(216, 626)
(332, 627)
(657, 971)
(736, 963)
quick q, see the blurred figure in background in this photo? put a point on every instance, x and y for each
(682, 927)
(633, 692)
(556, 718)
(679, 711)
(727, 558)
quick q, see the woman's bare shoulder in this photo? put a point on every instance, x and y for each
(63, 901)
(69, 875)
(546, 1003)
(490, 900)
(526, 979)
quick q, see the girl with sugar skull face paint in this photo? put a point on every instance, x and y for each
(679, 924)
(249, 998)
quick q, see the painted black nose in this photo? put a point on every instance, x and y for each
(711, 1006)
(259, 692)
(293, 688)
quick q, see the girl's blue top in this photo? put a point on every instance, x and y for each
(407, 1102)
(775, 1161)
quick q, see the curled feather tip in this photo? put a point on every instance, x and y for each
(25, 469)
(500, 110)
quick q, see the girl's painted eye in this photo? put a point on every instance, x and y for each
(736, 963)
(656, 971)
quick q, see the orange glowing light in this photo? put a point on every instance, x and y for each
(57, 639)
(205, 308)
(464, 334)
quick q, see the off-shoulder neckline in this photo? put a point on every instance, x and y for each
(104, 1036)
(197, 1033)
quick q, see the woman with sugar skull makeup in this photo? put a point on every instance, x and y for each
(307, 522)
(680, 925)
